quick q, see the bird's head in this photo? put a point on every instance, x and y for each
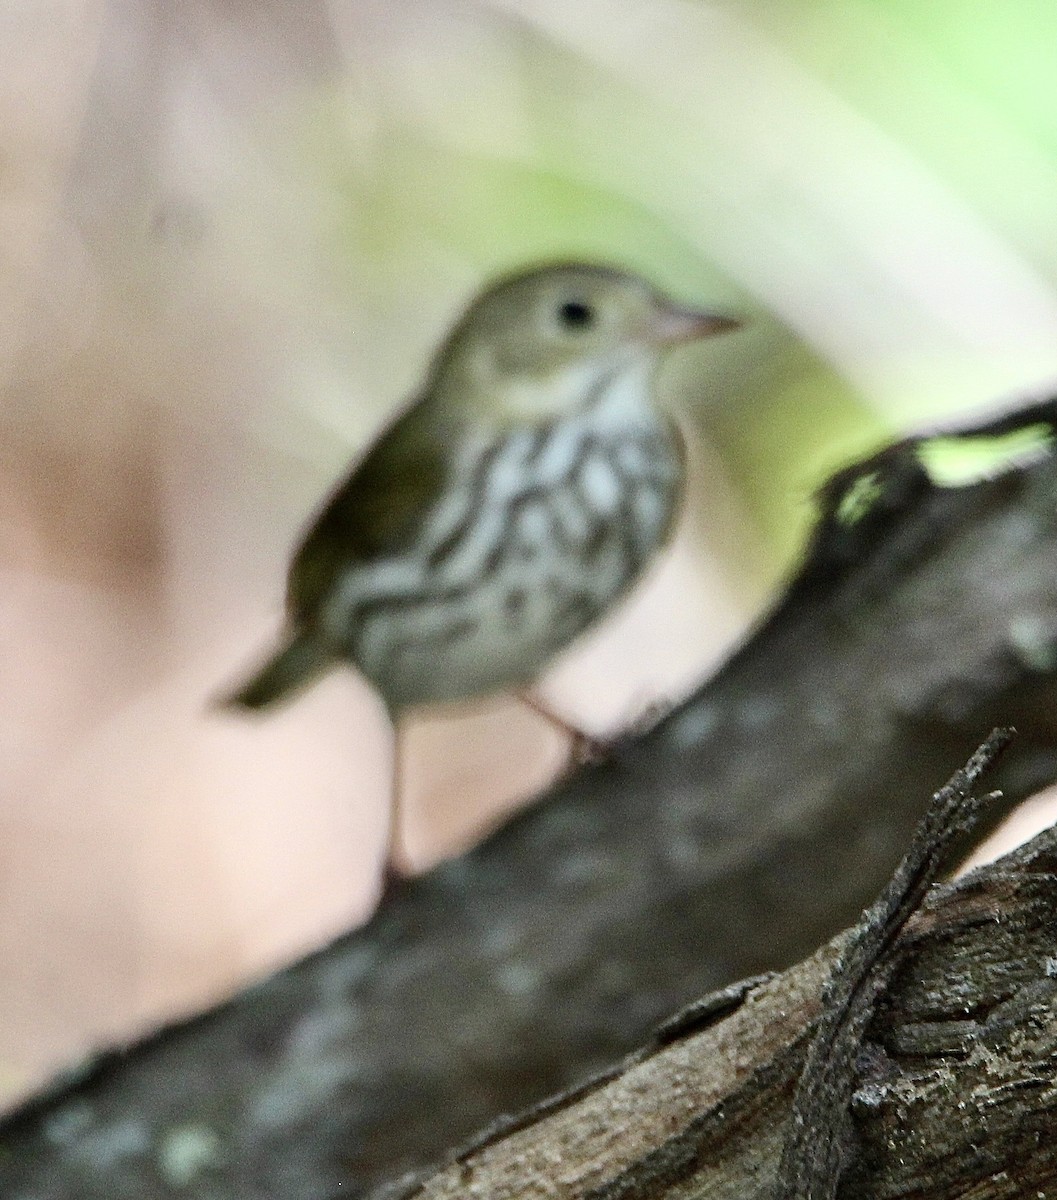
(537, 344)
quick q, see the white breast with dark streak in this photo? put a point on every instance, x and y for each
(556, 523)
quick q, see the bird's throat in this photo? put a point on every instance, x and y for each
(570, 390)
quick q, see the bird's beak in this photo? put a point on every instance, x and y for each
(673, 324)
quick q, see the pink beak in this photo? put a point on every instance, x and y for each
(673, 324)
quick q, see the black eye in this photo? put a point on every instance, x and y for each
(576, 314)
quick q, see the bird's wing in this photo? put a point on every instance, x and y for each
(374, 511)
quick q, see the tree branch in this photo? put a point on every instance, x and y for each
(808, 1090)
(817, 1142)
(733, 837)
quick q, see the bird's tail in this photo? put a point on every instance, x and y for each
(295, 665)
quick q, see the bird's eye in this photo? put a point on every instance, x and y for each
(576, 314)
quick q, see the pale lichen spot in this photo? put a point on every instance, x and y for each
(692, 725)
(1033, 642)
(517, 979)
(186, 1151)
(105, 1146)
(67, 1123)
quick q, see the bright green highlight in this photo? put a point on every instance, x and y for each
(961, 461)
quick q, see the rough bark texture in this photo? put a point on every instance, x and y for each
(955, 1088)
(734, 836)
(819, 1140)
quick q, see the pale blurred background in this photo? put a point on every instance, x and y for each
(230, 235)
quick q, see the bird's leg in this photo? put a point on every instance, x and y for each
(392, 872)
(583, 747)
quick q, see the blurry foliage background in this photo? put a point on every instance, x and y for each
(231, 234)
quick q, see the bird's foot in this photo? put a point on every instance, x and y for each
(392, 880)
(584, 748)
(650, 716)
(588, 749)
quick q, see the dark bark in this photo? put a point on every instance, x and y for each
(951, 1073)
(819, 1137)
(734, 836)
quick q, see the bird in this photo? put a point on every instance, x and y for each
(506, 509)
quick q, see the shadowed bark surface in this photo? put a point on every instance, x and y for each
(953, 1088)
(733, 837)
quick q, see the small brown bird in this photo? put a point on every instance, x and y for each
(507, 508)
